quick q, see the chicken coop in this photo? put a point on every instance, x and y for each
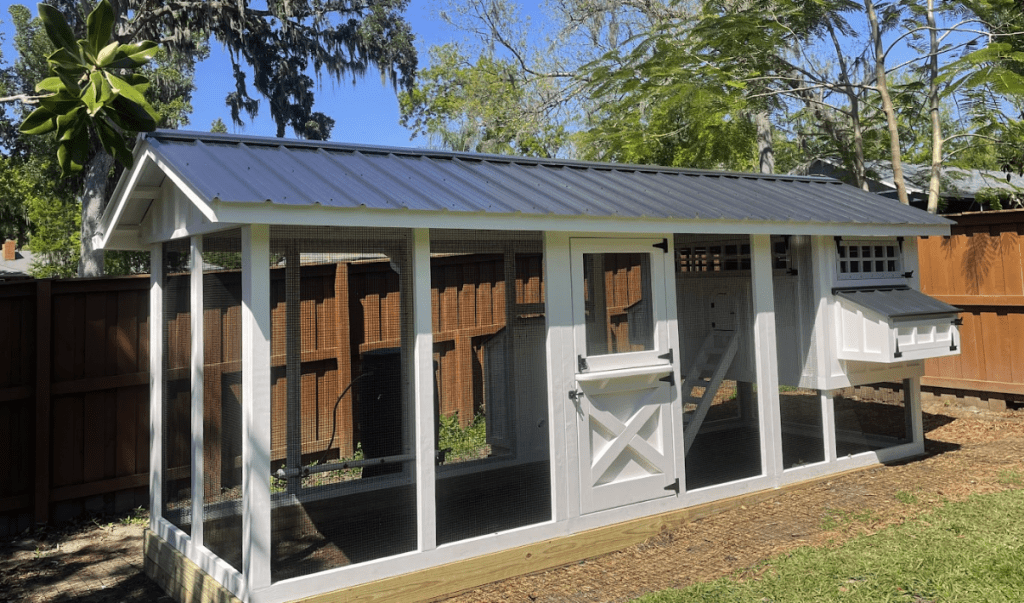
(389, 374)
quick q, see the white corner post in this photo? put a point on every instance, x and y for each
(765, 356)
(423, 389)
(256, 515)
(561, 416)
(156, 383)
(196, 321)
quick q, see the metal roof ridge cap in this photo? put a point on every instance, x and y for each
(189, 135)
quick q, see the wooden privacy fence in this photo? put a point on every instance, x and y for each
(74, 399)
(979, 269)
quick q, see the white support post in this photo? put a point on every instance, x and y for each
(915, 424)
(564, 453)
(423, 389)
(765, 358)
(196, 320)
(256, 407)
(156, 383)
(828, 424)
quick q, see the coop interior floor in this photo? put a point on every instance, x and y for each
(342, 530)
(717, 457)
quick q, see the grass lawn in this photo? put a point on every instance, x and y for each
(971, 551)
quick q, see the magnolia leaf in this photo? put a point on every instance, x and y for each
(107, 54)
(57, 29)
(51, 84)
(126, 90)
(132, 116)
(99, 26)
(129, 56)
(67, 60)
(40, 121)
(68, 123)
(90, 96)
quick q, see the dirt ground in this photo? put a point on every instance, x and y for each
(968, 452)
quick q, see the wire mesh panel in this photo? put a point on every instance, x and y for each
(619, 317)
(871, 417)
(341, 406)
(487, 295)
(800, 408)
(222, 396)
(714, 300)
(176, 473)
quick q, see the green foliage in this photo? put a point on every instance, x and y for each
(661, 105)
(969, 551)
(91, 86)
(462, 443)
(218, 127)
(487, 106)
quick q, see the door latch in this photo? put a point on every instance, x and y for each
(575, 396)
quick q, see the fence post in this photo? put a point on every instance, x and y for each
(42, 470)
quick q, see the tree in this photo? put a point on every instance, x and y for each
(483, 106)
(287, 45)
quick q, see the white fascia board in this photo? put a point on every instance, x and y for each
(122, 195)
(318, 215)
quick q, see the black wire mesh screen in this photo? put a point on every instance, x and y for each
(342, 433)
(721, 427)
(619, 316)
(487, 294)
(222, 396)
(176, 473)
(800, 408)
(871, 417)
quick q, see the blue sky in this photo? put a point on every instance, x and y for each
(365, 113)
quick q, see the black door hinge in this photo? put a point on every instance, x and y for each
(909, 274)
(581, 364)
(670, 379)
(674, 486)
(667, 356)
(663, 245)
(897, 353)
(957, 322)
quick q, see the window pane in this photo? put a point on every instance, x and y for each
(619, 314)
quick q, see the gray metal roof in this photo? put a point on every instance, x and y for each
(240, 169)
(898, 303)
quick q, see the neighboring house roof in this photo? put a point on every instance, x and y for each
(235, 178)
(18, 267)
(956, 183)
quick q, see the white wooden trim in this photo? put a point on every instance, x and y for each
(563, 449)
(120, 198)
(676, 347)
(220, 570)
(765, 360)
(156, 383)
(256, 522)
(317, 215)
(196, 322)
(580, 247)
(423, 389)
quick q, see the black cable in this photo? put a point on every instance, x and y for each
(334, 414)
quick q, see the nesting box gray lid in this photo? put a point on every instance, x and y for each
(897, 303)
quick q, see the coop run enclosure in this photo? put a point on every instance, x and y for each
(376, 362)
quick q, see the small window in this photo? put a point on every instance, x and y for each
(868, 260)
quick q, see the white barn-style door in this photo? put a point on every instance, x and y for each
(624, 372)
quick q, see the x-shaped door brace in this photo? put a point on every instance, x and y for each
(624, 435)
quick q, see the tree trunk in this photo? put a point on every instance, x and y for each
(933, 108)
(887, 107)
(94, 197)
(765, 149)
